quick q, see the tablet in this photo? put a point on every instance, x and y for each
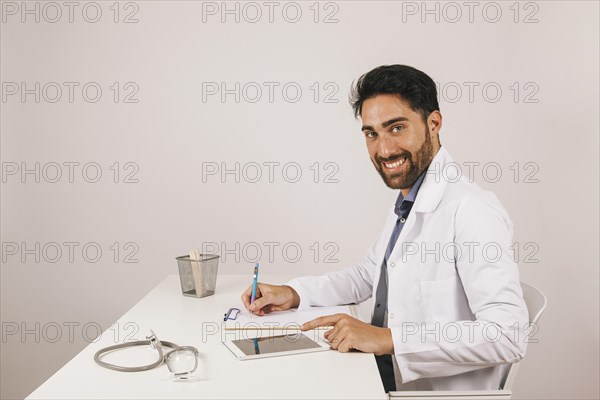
(274, 346)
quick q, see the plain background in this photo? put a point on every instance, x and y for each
(545, 119)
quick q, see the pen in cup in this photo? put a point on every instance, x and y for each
(254, 284)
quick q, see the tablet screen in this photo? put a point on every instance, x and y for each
(275, 344)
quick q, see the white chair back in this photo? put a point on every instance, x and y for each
(535, 300)
(536, 304)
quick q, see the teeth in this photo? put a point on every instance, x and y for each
(395, 164)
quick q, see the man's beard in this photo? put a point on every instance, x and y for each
(412, 168)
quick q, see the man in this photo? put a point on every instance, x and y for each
(449, 312)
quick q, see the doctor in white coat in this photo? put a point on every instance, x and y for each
(449, 312)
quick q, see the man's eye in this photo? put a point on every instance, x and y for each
(370, 134)
(397, 128)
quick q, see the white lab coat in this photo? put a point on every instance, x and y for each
(455, 305)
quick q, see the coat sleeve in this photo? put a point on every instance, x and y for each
(490, 279)
(350, 285)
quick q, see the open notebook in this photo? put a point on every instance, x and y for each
(290, 319)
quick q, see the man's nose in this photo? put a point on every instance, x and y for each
(387, 147)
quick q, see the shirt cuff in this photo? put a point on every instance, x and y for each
(299, 288)
(406, 374)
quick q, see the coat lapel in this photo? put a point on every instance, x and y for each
(429, 196)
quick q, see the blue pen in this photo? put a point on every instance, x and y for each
(256, 348)
(254, 284)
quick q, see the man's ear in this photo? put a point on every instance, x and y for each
(434, 122)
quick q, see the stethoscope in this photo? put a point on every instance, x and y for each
(178, 360)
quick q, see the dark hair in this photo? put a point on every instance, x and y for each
(408, 83)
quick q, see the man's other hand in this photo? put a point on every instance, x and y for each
(349, 333)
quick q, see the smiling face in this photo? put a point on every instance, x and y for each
(401, 145)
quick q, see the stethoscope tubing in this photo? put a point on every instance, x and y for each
(120, 368)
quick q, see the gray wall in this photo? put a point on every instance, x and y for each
(532, 115)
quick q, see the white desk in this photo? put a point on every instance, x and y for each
(182, 320)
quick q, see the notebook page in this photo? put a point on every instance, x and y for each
(289, 319)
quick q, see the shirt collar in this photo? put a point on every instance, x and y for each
(403, 205)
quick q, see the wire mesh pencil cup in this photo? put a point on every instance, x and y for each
(198, 277)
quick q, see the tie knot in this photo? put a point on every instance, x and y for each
(403, 210)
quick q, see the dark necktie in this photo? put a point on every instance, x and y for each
(385, 362)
